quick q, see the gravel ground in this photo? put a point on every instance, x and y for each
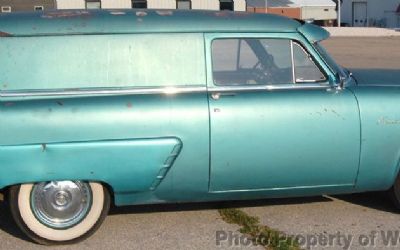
(194, 226)
(185, 226)
(361, 32)
(372, 60)
(354, 216)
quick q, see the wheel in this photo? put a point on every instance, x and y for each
(59, 212)
(395, 192)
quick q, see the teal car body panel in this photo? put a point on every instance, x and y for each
(164, 131)
(65, 122)
(52, 23)
(380, 150)
(148, 160)
(284, 145)
(313, 32)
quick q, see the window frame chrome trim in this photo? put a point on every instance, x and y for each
(104, 91)
(293, 65)
(312, 60)
(156, 90)
(269, 87)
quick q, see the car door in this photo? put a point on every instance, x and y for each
(276, 120)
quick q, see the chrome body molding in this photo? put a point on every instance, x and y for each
(103, 91)
(270, 87)
(156, 90)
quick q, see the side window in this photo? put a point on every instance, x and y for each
(306, 70)
(136, 60)
(251, 61)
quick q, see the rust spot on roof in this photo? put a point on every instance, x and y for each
(241, 14)
(222, 13)
(129, 105)
(4, 34)
(164, 12)
(66, 14)
(141, 13)
(117, 13)
(9, 104)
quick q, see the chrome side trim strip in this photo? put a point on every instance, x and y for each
(162, 90)
(269, 87)
(104, 91)
(293, 64)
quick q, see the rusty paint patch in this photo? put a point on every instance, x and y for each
(337, 114)
(5, 34)
(141, 13)
(222, 13)
(66, 14)
(9, 104)
(387, 121)
(117, 13)
(242, 13)
(129, 105)
(164, 12)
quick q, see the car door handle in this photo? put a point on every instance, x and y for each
(217, 95)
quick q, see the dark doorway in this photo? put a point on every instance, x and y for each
(139, 4)
(226, 5)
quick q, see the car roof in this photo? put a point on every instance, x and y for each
(70, 22)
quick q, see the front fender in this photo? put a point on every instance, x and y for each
(380, 136)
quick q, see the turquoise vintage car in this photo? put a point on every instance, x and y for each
(154, 106)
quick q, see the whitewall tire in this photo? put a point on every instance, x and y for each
(59, 212)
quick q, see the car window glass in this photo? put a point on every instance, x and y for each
(250, 61)
(223, 61)
(280, 50)
(305, 68)
(247, 59)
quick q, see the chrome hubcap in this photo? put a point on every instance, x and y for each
(61, 204)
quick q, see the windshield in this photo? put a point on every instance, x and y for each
(338, 70)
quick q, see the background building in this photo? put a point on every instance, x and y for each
(378, 13)
(235, 5)
(322, 11)
(24, 5)
(364, 13)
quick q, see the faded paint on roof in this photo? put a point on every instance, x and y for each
(291, 3)
(140, 21)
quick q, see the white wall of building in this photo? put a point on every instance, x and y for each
(161, 4)
(240, 5)
(70, 4)
(205, 5)
(318, 13)
(116, 4)
(379, 12)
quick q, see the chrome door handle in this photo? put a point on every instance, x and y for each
(217, 95)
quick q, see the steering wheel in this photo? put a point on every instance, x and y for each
(262, 74)
(266, 73)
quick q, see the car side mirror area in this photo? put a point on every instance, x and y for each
(339, 81)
